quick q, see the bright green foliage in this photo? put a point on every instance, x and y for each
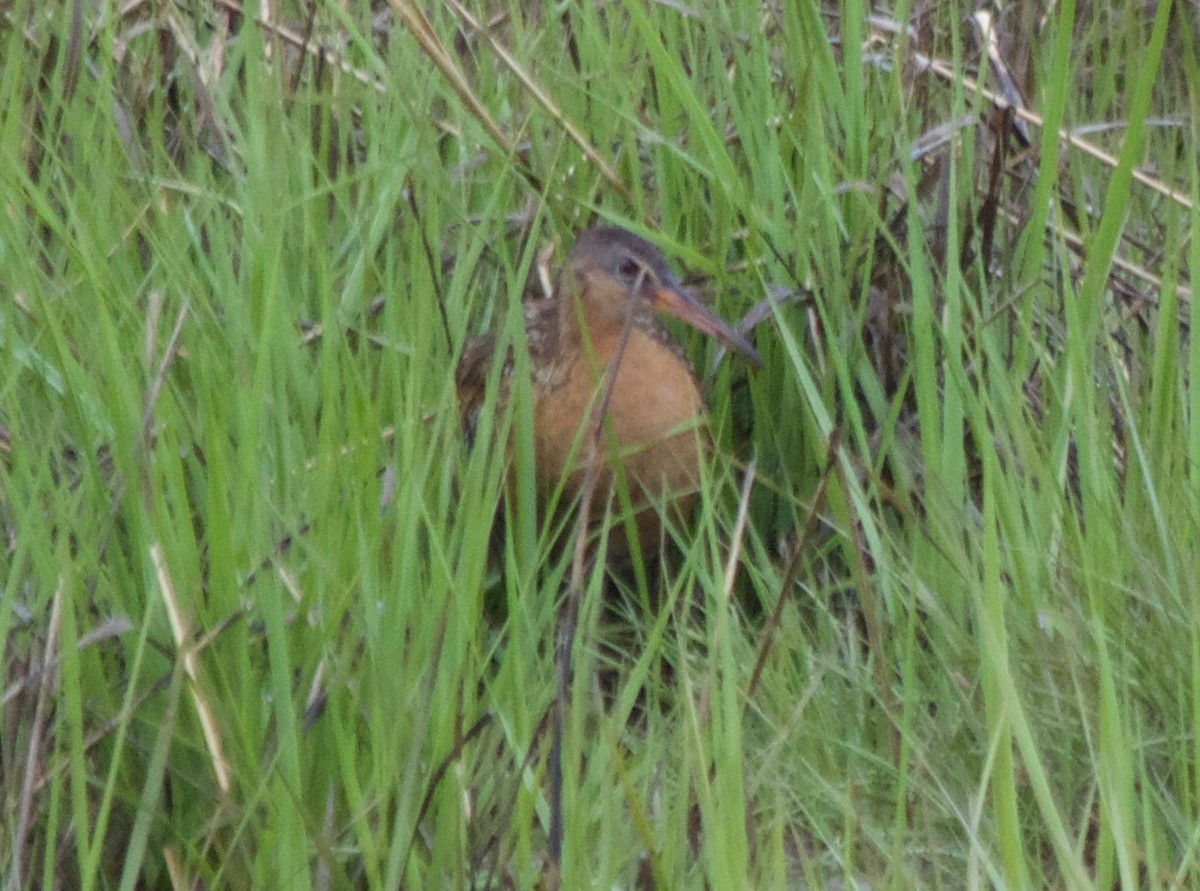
(232, 295)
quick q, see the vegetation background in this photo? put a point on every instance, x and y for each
(252, 635)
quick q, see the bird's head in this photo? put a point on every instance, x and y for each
(611, 266)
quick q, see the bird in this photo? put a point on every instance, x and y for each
(611, 288)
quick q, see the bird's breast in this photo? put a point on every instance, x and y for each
(655, 419)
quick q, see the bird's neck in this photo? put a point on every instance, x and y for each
(577, 324)
(584, 327)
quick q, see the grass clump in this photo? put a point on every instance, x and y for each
(249, 597)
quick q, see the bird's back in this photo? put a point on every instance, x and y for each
(470, 377)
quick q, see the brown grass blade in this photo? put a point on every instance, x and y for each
(180, 632)
(947, 73)
(543, 99)
(419, 26)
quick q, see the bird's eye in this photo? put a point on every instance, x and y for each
(629, 268)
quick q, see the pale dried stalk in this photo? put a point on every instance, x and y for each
(181, 634)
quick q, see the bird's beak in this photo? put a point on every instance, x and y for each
(671, 298)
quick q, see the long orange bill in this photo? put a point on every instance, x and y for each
(671, 298)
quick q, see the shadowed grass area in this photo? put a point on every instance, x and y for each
(255, 629)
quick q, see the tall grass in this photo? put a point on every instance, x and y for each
(255, 629)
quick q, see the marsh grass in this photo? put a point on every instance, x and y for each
(255, 631)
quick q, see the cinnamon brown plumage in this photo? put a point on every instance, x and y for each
(655, 416)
